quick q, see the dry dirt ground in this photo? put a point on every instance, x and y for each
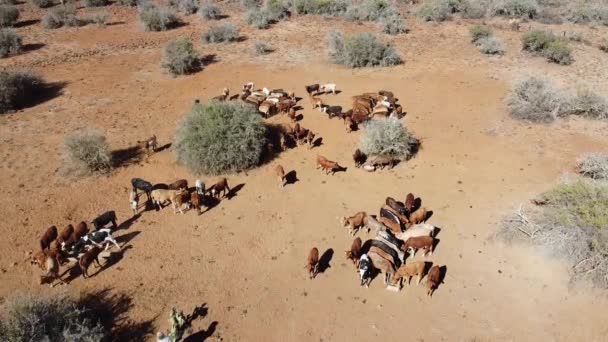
(244, 259)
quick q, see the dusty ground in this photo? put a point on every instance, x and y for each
(244, 259)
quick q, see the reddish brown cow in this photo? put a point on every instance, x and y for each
(433, 280)
(220, 187)
(195, 200)
(312, 265)
(328, 165)
(49, 236)
(425, 243)
(92, 255)
(354, 252)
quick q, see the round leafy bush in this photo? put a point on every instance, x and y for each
(537, 41)
(209, 11)
(558, 52)
(10, 42)
(180, 57)
(220, 137)
(258, 18)
(61, 16)
(157, 18)
(393, 25)
(361, 50)
(95, 3)
(8, 15)
(56, 318)
(221, 33)
(478, 32)
(388, 137)
(17, 88)
(87, 151)
(490, 46)
(261, 48)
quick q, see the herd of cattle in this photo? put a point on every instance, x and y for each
(400, 231)
(400, 228)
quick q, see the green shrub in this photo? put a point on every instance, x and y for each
(261, 48)
(361, 50)
(490, 46)
(180, 57)
(536, 99)
(569, 222)
(221, 33)
(128, 3)
(585, 13)
(220, 137)
(8, 15)
(371, 10)
(604, 45)
(276, 9)
(473, 9)
(185, 6)
(388, 137)
(537, 41)
(56, 318)
(515, 8)
(594, 165)
(393, 25)
(10, 42)
(17, 88)
(575, 36)
(437, 10)
(61, 16)
(332, 8)
(99, 18)
(95, 3)
(157, 18)
(478, 32)
(88, 152)
(590, 105)
(210, 11)
(42, 3)
(258, 18)
(8, 2)
(558, 52)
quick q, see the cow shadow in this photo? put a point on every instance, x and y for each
(299, 117)
(234, 191)
(114, 258)
(324, 261)
(127, 156)
(202, 335)
(318, 142)
(129, 222)
(126, 238)
(162, 148)
(111, 310)
(428, 215)
(291, 177)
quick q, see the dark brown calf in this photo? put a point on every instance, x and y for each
(65, 233)
(433, 280)
(92, 255)
(49, 236)
(221, 186)
(355, 251)
(195, 200)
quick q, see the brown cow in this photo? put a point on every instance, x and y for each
(220, 186)
(280, 172)
(179, 184)
(65, 233)
(394, 227)
(312, 266)
(355, 222)
(413, 244)
(354, 252)
(148, 145)
(410, 201)
(407, 271)
(328, 165)
(433, 280)
(418, 216)
(49, 236)
(310, 138)
(49, 264)
(92, 255)
(195, 201)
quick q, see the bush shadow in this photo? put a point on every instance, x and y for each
(32, 47)
(47, 92)
(208, 59)
(111, 311)
(26, 23)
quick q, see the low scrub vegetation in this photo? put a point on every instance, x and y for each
(388, 137)
(277, 10)
(438, 10)
(8, 15)
(393, 25)
(221, 33)
(99, 18)
(95, 3)
(588, 104)
(568, 222)
(209, 11)
(10, 42)
(331, 8)
(515, 8)
(593, 165)
(261, 48)
(56, 318)
(17, 88)
(589, 12)
(548, 45)
(180, 57)
(42, 3)
(61, 16)
(87, 152)
(258, 18)
(361, 50)
(536, 99)
(220, 137)
(128, 3)
(157, 18)
(185, 6)
(482, 37)
(370, 10)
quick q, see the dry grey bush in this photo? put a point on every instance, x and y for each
(87, 152)
(593, 165)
